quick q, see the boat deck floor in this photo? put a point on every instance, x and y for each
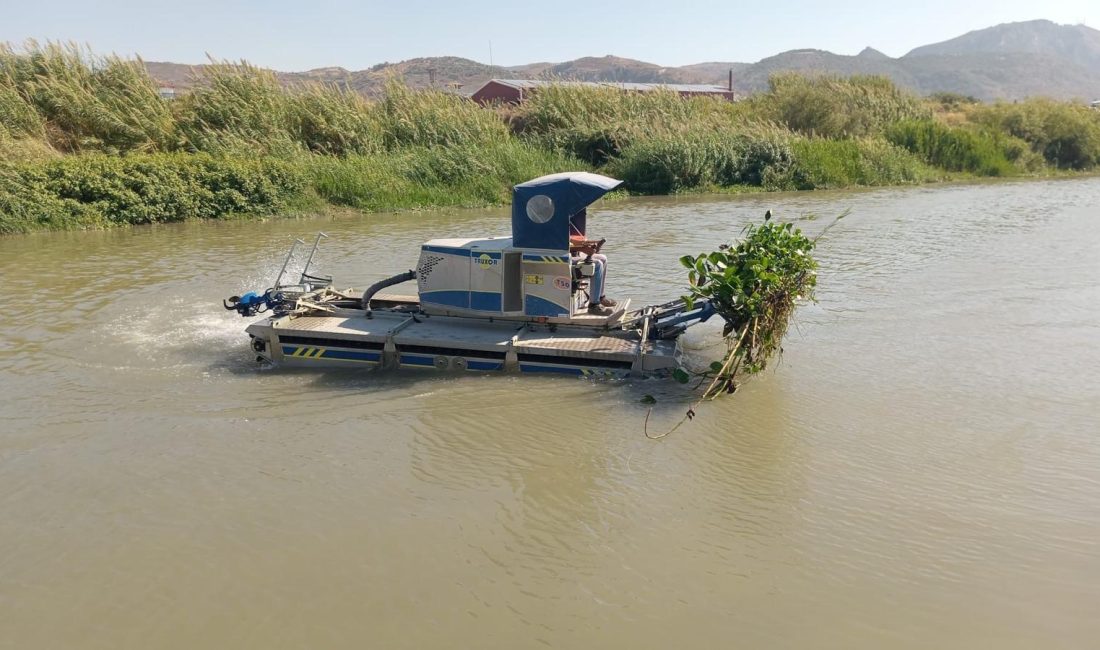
(448, 336)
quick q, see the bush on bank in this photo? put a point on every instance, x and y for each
(1066, 135)
(823, 163)
(101, 191)
(96, 190)
(952, 148)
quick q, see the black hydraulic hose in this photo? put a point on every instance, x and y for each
(382, 284)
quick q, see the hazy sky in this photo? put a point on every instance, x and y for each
(301, 35)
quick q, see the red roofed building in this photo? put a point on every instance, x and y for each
(516, 91)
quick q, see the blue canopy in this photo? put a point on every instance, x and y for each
(541, 208)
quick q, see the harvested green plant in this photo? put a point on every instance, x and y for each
(754, 286)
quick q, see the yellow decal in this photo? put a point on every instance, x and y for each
(485, 262)
(308, 353)
(534, 279)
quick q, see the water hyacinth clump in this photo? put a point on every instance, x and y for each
(754, 286)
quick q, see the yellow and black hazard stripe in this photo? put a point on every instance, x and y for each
(305, 352)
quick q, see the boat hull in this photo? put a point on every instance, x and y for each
(400, 339)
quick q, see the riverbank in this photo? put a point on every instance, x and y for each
(86, 142)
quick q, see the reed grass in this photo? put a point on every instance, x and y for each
(426, 177)
(836, 107)
(87, 102)
(86, 141)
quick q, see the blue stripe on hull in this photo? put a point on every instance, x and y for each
(535, 367)
(417, 360)
(344, 355)
(312, 353)
(473, 364)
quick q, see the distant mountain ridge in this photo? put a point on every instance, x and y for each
(1008, 61)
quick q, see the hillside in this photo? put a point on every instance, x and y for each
(1076, 44)
(614, 68)
(1009, 61)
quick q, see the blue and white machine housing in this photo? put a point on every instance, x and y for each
(529, 275)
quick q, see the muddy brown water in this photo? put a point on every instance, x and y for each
(921, 470)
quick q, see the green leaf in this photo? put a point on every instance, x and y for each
(648, 399)
(688, 261)
(681, 376)
(716, 366)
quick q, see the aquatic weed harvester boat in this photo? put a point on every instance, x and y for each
(529, 302)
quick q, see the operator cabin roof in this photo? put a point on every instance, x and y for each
(542, 207)
(515, 91)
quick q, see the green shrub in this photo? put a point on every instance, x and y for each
(664, 165)
(97, 190)
(766, 160)
(673, 162)
(823, 163)
(1066, 135)
(952, 148)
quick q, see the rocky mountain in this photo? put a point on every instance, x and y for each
(1075, 44)
(1009, 61)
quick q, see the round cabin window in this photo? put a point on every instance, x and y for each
(540, 208)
